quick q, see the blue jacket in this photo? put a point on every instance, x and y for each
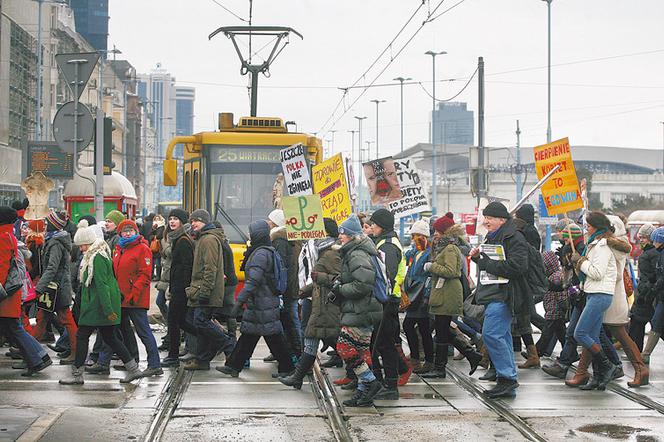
(416, 273)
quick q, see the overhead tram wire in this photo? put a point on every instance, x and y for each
(229, 11)
(343, 97)
(323, 129)
(456, 95)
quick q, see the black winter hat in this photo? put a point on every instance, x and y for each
(7, 215)
(180, 214)
(526, 213)
(20, 205)
(384, 218)
(89, 218)
(331, 227)
(496, 210)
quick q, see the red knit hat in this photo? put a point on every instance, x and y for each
(442, 224)
(127, 223)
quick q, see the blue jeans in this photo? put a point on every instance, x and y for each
(311, 346)
(291, 306)
(161, 303)
(497, 334)
(210, 338)
(590, 322)
(657, 321)
(138, 317)
(30, 348)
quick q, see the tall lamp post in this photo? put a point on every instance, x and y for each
(377, 103)
(401, 80)
(359, 156)
(434, 172)
(547, 242)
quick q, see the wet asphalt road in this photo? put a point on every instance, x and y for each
(255, 407)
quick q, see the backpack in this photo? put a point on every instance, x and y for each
(536, 276)
(381, 288)
(280, 276)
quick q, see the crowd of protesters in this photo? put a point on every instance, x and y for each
(353, 291)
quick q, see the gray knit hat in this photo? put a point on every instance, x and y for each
(646, 230)
(200, 215)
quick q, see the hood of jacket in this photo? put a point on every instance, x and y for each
(326, 243)
(360, 243)
(259, 233)
(278, 233)
(619, 245)
(61, 237)
(219, 233)
(526, 213)
(457, 231)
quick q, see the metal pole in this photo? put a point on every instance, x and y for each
(481, 185)
(254, 92)
(434, 166)
(662, 146)
(99, 152)
(124, 133)
(377, 103)
(40, 73)
(519, 185)
(548, 126)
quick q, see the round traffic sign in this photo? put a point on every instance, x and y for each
(63, 127)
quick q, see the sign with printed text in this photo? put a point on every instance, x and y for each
(561, 192)
(413, 194)
(331, 184)
(381, 176)
(304, 217)
(296, 173)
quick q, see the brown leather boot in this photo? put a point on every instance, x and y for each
(581, 377)
(533, 359)
(641, 372)
(484, 362)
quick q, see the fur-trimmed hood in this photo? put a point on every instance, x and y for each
(457, 230)
(618, 245)
(278, 232)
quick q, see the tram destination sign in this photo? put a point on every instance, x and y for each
(48, 158)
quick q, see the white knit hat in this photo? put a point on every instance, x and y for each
(277, 217)
(421, 227)
(84, 234)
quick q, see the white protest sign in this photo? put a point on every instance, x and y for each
(413, 194)
(296, 172)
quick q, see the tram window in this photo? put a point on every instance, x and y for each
(187, 189)
(195, 187)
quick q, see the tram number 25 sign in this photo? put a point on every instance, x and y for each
(561, 192)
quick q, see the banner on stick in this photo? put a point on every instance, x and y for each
(296, 173)
(561, 192)
(381, 176)
(304, 218)
(330, 183)
(413, 193)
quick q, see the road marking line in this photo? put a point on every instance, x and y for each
(40, 426)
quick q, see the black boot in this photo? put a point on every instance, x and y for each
(373, 389)
(295, 379)
(504, 388)
(469, 352)
(490, 374)
(334, 361)
(390, 392)
(593, 383)
(439, 363)
(607, 369)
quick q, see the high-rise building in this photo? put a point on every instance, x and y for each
(92, 21)
(184, 113)
(158, 92)
(453, 124)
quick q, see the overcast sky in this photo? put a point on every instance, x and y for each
(615, 101)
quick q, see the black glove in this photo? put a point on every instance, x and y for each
(236, 310)
(203, 299)
(336, 287)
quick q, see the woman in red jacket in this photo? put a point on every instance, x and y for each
(132, 264)
(10, 307)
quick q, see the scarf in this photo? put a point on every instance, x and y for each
(124, 242)
(593, 237)
(99, 247)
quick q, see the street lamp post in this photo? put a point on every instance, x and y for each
(548, 125)
(377, 103)
(359, 151)
(401, 80)
(434, 172)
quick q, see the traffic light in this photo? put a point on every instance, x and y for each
(109, 127)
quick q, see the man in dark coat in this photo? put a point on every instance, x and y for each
(502, 301)
(526, 214)
(261, 316)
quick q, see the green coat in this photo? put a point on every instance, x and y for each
(446, 297)
(359, 307)
(207, 276)
(102, 297)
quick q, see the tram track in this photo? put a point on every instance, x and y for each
(169, 399)
(329, 404)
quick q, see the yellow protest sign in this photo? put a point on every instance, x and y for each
(304, 217)
(561, 192)
(331, 184)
